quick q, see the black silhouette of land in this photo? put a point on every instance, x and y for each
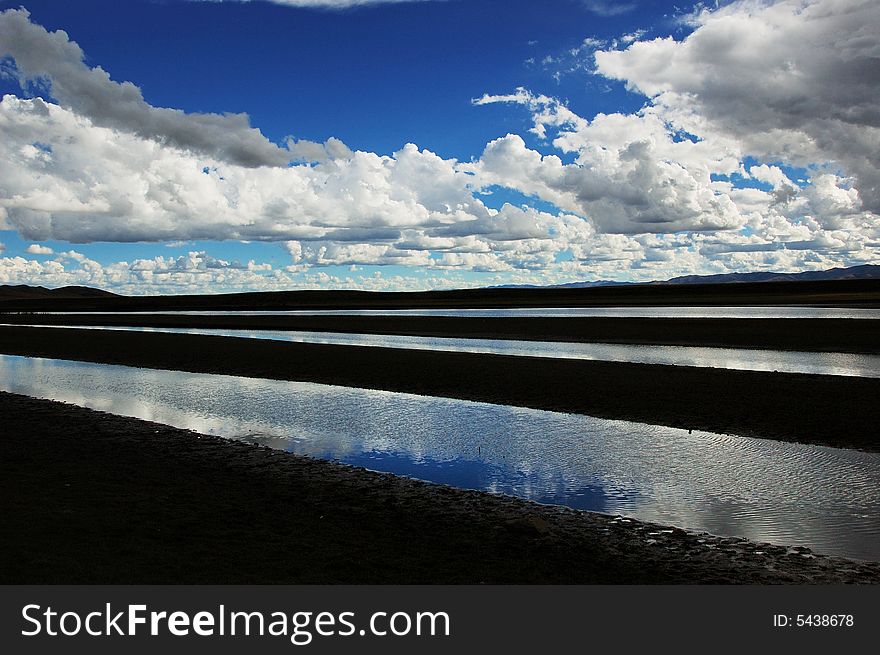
(822, 409)
(839, 293)
(812, 335)
(96, 498)
(139, 502)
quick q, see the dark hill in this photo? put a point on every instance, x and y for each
(24, 291)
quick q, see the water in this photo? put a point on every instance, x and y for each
(823, 498)
(783, 311)
(729, 358)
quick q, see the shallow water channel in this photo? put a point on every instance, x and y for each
(820, 363)
(823, 498)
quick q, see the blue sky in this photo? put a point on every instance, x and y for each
(375, 76)
(556, 141)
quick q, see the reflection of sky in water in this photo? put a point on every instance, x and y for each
(792, 311)
(824, 498)
(482, 475)
(731, 358)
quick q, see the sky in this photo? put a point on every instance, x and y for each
(196, 146)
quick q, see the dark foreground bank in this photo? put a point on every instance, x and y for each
(819, 409)
(89, 497)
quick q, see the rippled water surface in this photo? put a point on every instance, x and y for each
(824, 498)
(732, 358)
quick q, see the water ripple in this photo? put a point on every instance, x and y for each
(823, 498)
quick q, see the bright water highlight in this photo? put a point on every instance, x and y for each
(823, 498)
(819, 363)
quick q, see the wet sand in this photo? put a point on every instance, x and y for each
(829, 410)
(792, 334)
(93, 498)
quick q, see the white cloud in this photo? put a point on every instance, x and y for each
(86, 183)
(753, 79)
(97, 184)
(833, 200)
(772, 175)
(198, 272)
(641, 196)
(794, 81)
(629, 176)
(36, 249)
(93, 183)
(53, 58)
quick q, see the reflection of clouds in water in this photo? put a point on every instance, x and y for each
(731, 358)
(482, 475)
(762, 489)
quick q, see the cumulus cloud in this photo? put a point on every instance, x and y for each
(630, 175)
(753, 79)
(198, 272)
(647, 195)
(772, 175)
(794, 81)
(83, 183)
(52, 58)
(37, 249)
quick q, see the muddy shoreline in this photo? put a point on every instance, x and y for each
(828, 410)
(792, 334)
(92, 498)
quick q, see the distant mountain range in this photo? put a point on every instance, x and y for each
(863, 272)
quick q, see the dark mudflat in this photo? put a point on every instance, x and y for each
(89, 497)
